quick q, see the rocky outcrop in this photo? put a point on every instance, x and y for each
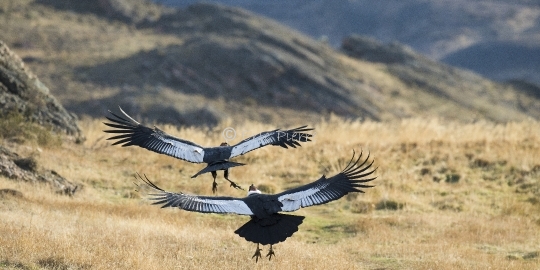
(16, 167)
(372, 50)
(22, 92)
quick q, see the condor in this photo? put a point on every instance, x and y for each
(267, 225)
(133, 133)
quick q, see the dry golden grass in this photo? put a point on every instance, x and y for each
(448, 196)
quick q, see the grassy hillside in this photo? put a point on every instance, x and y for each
(205, 64)
(447, 196)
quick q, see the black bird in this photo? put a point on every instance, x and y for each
(267, 225)
(133, 133)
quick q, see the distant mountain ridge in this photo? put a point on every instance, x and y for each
(447, 30)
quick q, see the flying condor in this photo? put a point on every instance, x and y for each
(267, 225)
(132, 132)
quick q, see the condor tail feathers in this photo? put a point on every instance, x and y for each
(273, 230)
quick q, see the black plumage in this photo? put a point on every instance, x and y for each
(131, 132)
(267, 225)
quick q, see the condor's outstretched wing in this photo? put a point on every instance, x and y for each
(324, 190)
(202, 204)
(283, 138)
(133, 133)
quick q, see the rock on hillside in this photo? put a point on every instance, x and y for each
(15, 167)
(22, 92)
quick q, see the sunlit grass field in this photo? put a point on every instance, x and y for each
(448, 196)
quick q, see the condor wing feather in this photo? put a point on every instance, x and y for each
(283, 138)
(324, 190)
(202, 204)
(132, 132)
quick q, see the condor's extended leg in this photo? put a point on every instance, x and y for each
(214, 185)
(233, 184)
(270, 253)
(257, 254)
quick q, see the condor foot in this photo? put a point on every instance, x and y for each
(257, 254)
(214, 187)
(270, 253)
(234, 185)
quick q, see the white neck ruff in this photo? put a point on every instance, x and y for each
(254, 192)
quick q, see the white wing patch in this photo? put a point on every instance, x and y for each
(304, 198)
(252, 144)
(195, 203)
(181, 150)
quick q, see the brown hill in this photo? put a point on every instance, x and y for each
(504, 34)
(207, 63)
